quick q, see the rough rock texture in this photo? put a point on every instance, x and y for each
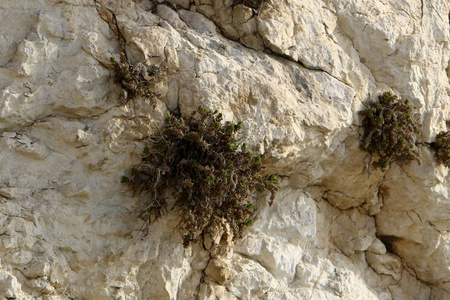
(296, 72)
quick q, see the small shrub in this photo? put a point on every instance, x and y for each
(390, 131)
(135, 80)
(442, 147)
(212, 173)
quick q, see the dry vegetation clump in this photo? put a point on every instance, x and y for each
(213, 175)
(135, 80)
(442, 147)
(390, 131)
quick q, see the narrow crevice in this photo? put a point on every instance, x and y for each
(370, 266)
(412, 179)
(421, 10)
(413, 273)
(434, 227)
(302, 64)
(271, 52)
(389, 242)
(109, 17)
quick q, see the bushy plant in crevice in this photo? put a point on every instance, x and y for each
(213, 176)
(442, 147)
(390, 131)
(135, 80)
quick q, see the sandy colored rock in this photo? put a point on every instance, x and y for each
(387, 264)
(218, 270)
(296, 73)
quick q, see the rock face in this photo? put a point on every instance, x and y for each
(296, 72)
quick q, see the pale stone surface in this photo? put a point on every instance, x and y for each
(297, 73)
(387, 264)
(416, 290)
(353, 232)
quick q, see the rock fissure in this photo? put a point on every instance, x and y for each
(296, 73)
(109, 17)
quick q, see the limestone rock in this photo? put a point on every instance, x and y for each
(387, 264)
(218, 270)
(10, 288)
(417, 291)
(353, 232)
(296, 73)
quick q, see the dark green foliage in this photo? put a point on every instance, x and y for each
(212, 176)
(442, 147)
(135, 80)
(390, 131)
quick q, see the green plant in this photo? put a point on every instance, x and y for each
(442, 147)
(135, 80)
(390, 131)
(212, 175)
